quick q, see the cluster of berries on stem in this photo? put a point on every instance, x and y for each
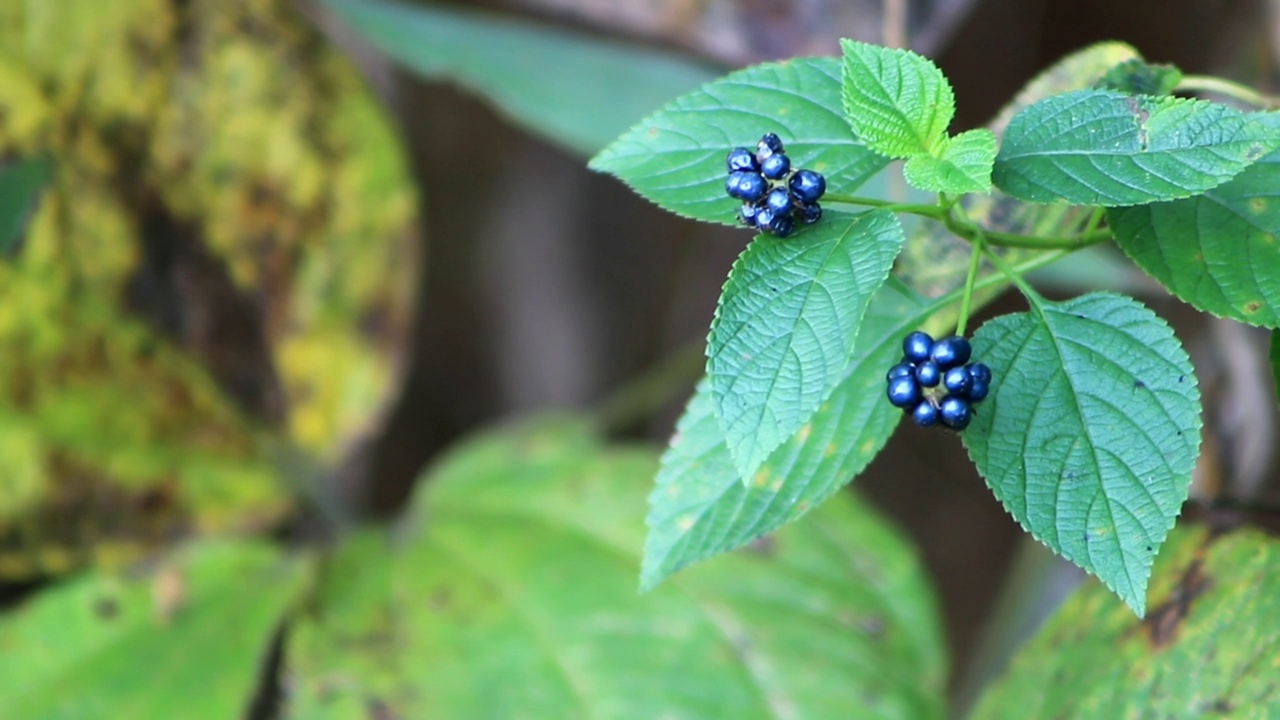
(935, 382)
(774, 196)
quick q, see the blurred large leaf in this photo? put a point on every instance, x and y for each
(513, 595)
(185, 640)
(20, 186)
(1091, 431)
(228, 249)
(1099, 147)
(676, 157)
(1208, 648)
(1218, 251)
(786, 323)
(576, 90)
(1275, 359)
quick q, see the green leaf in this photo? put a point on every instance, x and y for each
(700, 509)
(786, 324)
(1207, 649)
(512, 594)
(20, 187)
(898, 102)
(1090, 432)
(962, 166)
(578, 91)
(1139, 77)
(1096, 147)
(676, 157)
(1218, 251)
(186, 640)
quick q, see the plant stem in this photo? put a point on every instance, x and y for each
(931, 211)
(1226, 88)
(975, 260)
(644, 395)
(1064, 242)
(1015, 276)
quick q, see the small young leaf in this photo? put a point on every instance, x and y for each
(786, 324)
(675, 157)
(699, 509)
(1097, 147)
(571, 88)
(1090, 432)
(962, 166)
(1139, 77)
(1207, 649)
(20, 186)
(898, 102)
(1218, 251)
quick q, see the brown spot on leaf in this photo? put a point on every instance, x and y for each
(763, 545)
(376, 709)
(1252, 307)
(106, 608)
(1165, 620)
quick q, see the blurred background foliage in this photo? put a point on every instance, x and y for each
(264, 260)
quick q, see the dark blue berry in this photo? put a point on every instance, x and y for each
(978, 390)
(782, 225)
(775, 167)
(741, 159)
(955, 413)
(916, 346)
(769, 144)
(957, 381)
(779, 201)
(902, 369)
(925, 414)
(746, 186)
(808, 185)
(811, 213)
(951, 352)
(978, 371)
(764, 219)
(904, 392)
(928, 374)
(747, 215)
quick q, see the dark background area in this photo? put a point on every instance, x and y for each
(547, 286)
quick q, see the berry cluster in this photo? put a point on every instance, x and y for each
(773, 195)
(934, 383)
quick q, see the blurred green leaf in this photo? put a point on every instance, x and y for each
(20, 187)
(1091, 431)
(1217, 251)
(1139, 77)
(1208, 647)
(512, 594)
(676, 157)
(576, 90)
(1275, 359)
(186, 640)
(1099, 147)
(786, 323)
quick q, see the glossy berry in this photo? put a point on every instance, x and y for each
(764, 219)
(916, 346)
(746, 186)
(957, 381)
(904, 392)
(769, 144)
(782, 225)
(950, 352)
(954, 413)
(775, 167)
(928, 374)
(925, 414)
(741, 159)
(808, 185)
(747, 215)
(902, 369)
(779, 201)
(978, 390)
(980, 372)
(811, 213)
